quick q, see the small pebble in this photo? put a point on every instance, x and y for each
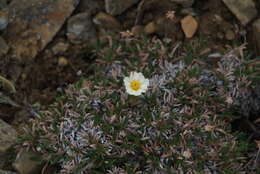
(150, 28)
(79, 72)
(62, 61)
(230, 35)
(137, 30)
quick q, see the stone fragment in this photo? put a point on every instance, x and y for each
(169, 28)
(4, 48)
(6, 172)
(188, 11)
(80, 29)
(38, 22)
(244, 10)
(107, 21)
(137, 30)
(189, 26)
(28, 162)
(60, 48)
(8, 136)
(230, 35)
(184, 3)
(3, 19)
(150, 28)
(62, 61)
(256, 35)
(116, 7)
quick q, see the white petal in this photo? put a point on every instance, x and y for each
(126, 79)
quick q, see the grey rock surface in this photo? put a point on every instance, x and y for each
(38, 22)
(80, 29)
(244, 10)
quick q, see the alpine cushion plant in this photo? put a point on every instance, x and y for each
(176, 128)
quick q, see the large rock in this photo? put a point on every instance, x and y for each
(28, 163)
(256, 35)
(244, 10)
(116, 7)
(80, 29)
(184, 3)
(8, 136)
(38, 21)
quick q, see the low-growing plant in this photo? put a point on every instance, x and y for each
(177, 126)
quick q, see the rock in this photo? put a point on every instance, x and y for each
(38, 22)
(244, 10)
(6, 172)
(107, 21)
(189, 26)
(62, 61)
(169, 28)
(28, 162)
(116, 7)
(184, 3)
(137, 30)
(188, 11)
(91, 6)
(21, 118)
(8, 136)
(80, 29)
(230, 35)
(3, 19)
(60, 48)
(150, 28)
(256, 35)
(3, 4)
(4, 48)
(220, 35)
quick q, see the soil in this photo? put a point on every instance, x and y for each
(40, 80)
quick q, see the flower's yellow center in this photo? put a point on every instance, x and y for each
(135, 85)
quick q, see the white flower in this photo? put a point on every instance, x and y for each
(136, 83)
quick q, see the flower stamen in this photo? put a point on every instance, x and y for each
(135, 85)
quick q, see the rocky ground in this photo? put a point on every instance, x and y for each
(47, 44)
